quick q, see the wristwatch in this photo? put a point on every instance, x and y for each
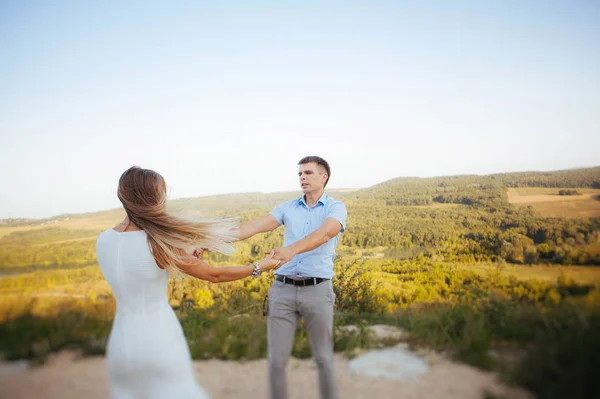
(256, 272)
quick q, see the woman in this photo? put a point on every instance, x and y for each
(147, 354)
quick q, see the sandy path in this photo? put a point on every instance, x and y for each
(66, 377)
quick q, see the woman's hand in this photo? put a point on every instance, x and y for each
(199, 252)
(268, 263)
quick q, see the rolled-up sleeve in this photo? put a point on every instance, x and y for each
(278, 212)
(338, 211)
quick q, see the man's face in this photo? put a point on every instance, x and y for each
(312, 177)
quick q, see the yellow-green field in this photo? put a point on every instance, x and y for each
(52, 287)
(548, 203)
(580, 274)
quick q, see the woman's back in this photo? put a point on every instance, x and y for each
(137, 282)
(147, 354)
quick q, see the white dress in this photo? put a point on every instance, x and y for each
(147, 355)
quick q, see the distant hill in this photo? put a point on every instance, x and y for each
(397, 191)
(454, 218)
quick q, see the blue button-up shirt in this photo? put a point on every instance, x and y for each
(300, 220)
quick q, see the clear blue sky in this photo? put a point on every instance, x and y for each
(225, 97)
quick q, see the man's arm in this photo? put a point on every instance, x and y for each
(252, 227)
(329, 229)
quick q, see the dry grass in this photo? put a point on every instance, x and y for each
(523, 191)
(548, 203)
(547, 195)
(585, 208)
(99, 222)
(5, 230)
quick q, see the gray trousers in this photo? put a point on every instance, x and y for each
(315, 304)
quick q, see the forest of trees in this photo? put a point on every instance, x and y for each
(461, 218)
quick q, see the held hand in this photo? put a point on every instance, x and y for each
(268, 263)
(283, 254)
(199, 252)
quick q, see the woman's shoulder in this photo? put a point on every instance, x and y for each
(112, 233)
(105, 236)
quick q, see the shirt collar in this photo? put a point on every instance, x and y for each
(321, 200)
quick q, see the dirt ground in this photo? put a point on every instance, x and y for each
(67, 376)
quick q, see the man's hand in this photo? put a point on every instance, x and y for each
(283, 254)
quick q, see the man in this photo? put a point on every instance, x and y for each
(302, 287)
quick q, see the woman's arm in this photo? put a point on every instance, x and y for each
(201, 269)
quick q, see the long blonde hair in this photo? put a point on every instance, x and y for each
(143, 193)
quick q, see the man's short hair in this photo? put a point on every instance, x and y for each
(319, 161)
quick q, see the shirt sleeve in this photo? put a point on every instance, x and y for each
(338, 212)
(278, 212)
